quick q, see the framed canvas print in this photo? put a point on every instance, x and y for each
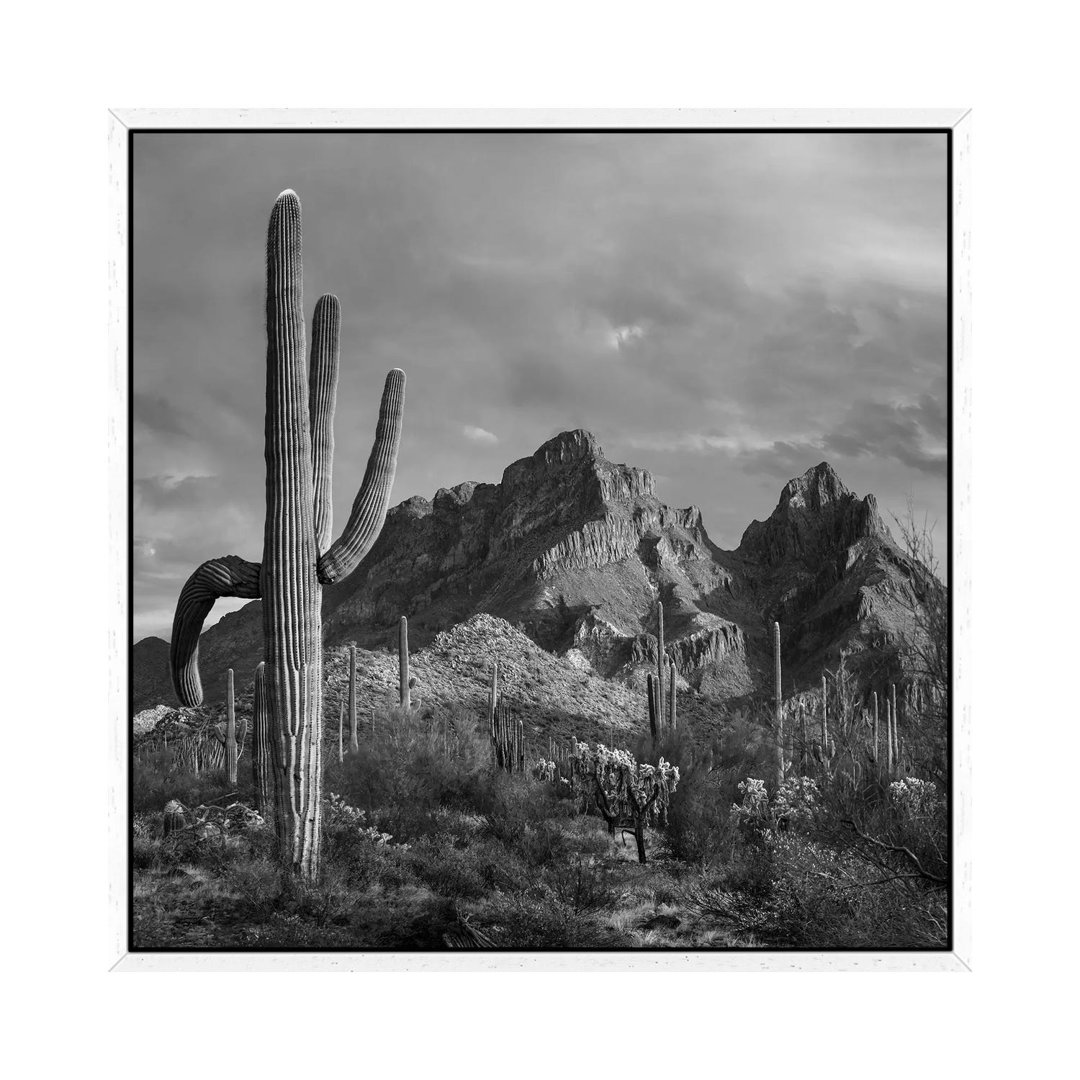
(539, 539)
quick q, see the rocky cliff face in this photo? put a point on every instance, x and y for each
(575, 551)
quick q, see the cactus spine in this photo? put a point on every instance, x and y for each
(354, 742)
(778, 708)
(660, 665)
(296, 560)
(261, 762)
(230, 729)
(403, 662)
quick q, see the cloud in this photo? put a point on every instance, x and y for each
(620, 336)
(479, 435)
(726, 310)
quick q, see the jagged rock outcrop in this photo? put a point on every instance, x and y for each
(573, 551)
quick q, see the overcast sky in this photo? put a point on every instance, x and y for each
(726, 310)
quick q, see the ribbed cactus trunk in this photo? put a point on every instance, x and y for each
(341, 732)
(877, 738)
(895, 728)
(403, 663)
(650, 685)
(354, 741)
(262, 766)
(298, 558)
(778, 707)
(660, 665)
(230, 729)
(671, 695)
(888, 738)
(825, 717)
(493, 699)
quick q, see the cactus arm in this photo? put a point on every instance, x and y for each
(322, 397)
(228, 575)
(372, 500)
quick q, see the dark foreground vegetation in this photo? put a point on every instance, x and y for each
(426, 844)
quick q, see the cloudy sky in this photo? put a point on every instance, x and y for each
(724, 309)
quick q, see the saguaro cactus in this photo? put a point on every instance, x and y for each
(341, 732)
(262, 768)
(403, 662)
(825, 717)
(671, 695)
(778, 707)
(297, 556)
(660, 664)
(230, 729)
(650, 684)
(354, 742)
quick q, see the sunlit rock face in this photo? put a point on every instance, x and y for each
(575, 551)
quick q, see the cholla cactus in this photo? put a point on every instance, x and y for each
(298, 558)
(626, 790)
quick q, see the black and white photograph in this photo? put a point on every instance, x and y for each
(540, 540)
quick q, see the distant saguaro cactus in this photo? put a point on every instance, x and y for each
(403, 662)
(671, 695)
(341, 732)
(262, 768)
(230, 729)
(354, 742)
(650, 685)
(660, 664)
(298, 558)
(778, 707)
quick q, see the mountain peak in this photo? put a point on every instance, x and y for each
(570, 446)
(815, 489)
(817, 513)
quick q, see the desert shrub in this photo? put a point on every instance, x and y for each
(406, 772)
(538, 918)
(157, 778)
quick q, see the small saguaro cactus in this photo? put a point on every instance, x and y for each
(660, 664)
(778, 707)
(354, 742)
(298, 558)
(403, 662)
(671, 695)
(262, 768)
(650, 684)
(825, 747)
(230, 729)
(341, 732)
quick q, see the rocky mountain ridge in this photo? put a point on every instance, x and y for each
(575, 551)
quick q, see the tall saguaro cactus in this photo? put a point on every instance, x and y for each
(298, 558)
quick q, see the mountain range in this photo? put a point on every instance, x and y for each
(576, 551)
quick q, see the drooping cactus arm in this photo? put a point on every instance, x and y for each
(228, 575)
(373, 499)
(322, 397)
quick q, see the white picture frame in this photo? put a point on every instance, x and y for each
(123, 122)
